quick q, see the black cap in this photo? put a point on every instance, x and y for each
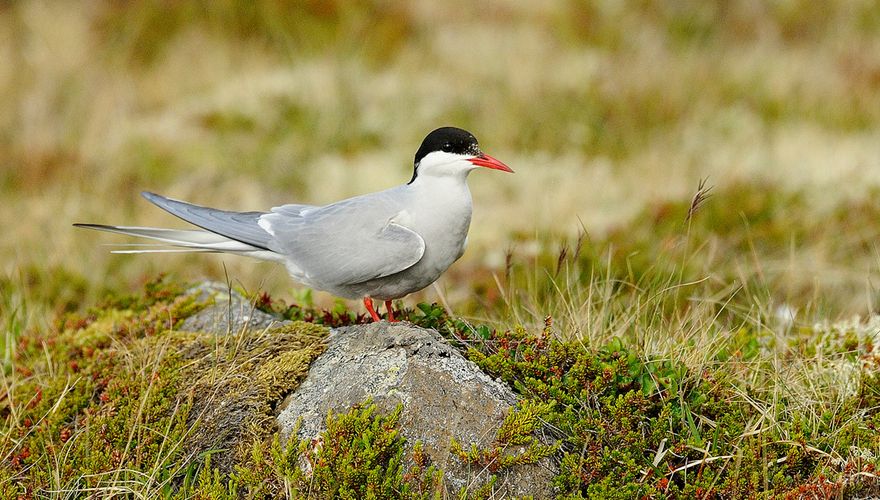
(448, 139)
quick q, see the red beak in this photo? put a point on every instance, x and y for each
(487, 161)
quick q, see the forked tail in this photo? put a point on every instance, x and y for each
(224, 231)
(174, 240)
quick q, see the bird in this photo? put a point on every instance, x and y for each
(377, 246)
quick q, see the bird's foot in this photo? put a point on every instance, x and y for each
(368, 303)
(390, 312)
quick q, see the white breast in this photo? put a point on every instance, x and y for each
(441, 214)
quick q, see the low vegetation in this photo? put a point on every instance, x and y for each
(118, 400)
(662, 394)
(663, 343)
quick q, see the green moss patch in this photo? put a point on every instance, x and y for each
(236, 384)
(629, 426)
(117, 400)
(359, 455)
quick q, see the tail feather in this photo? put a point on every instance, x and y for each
(165, 250)
(239, 226)
(184, 240)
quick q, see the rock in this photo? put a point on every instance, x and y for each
(228, 314)
(444, 396)
(241, 378)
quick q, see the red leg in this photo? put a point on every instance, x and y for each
(390, 312)
(368, 303)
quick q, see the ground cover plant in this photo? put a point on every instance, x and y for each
(679, 281)
(658, 386)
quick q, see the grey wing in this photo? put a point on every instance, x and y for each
(346, 243)
(239, 226)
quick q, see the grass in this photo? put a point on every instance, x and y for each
(673, 395)
(118, 400)
(739, 330)
(255, 109)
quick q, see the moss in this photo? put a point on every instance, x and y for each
(236, 384)
(515, 441)
(359, 455)
(515, 444)
(120, 397)
(96, 411)
(630, 426)
(117, 397)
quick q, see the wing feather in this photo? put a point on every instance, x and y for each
(239, 226)
(348, 242)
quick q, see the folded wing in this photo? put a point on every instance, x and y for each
(345, 243)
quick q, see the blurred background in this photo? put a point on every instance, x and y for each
(611, 112)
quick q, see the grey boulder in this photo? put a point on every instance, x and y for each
(444, 396)
(228, 312)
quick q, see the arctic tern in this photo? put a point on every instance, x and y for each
(382, 245)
